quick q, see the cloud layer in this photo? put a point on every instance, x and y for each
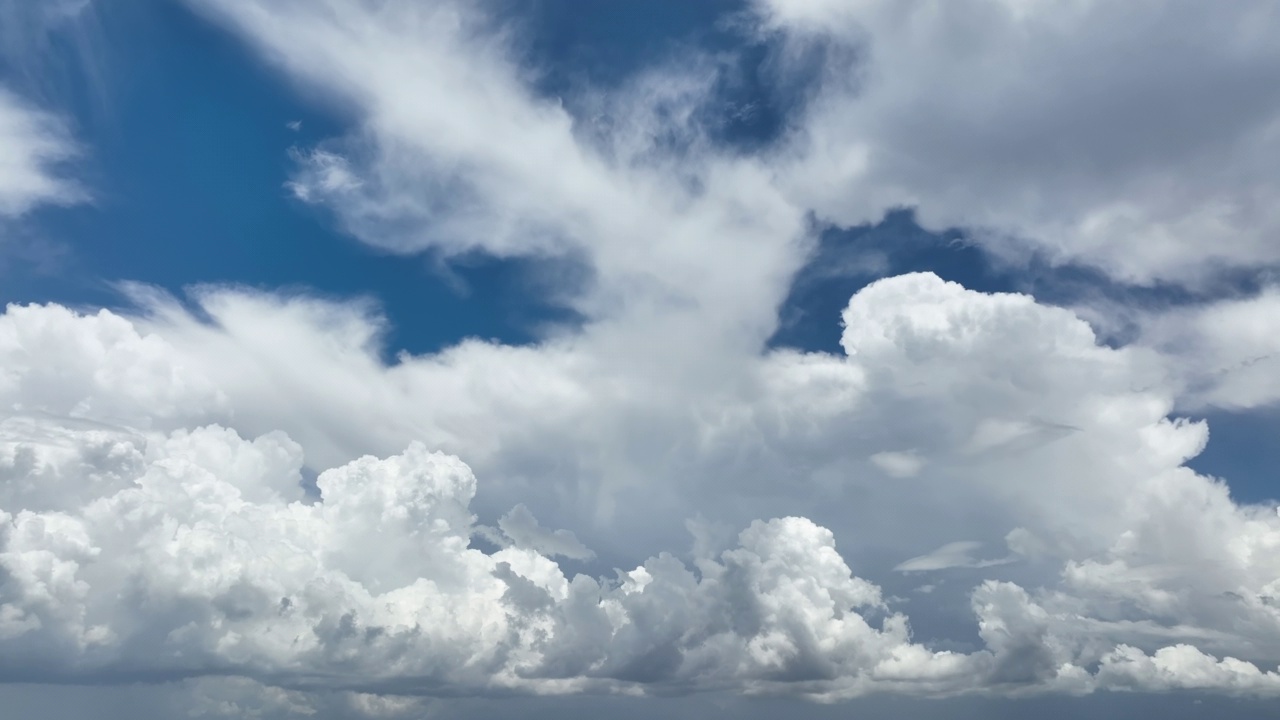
(151, 551)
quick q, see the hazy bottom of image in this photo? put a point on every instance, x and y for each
(145, 702)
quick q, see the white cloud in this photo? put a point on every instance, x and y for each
(959, 554)
(1227, 352)
(175, 548)
(1135, 137)
(1183, 667)
(522, 528)
(32, 145)
(898, 464)
(455, 152)
(207, 562)
(99, 368)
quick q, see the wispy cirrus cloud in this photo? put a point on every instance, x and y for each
(34, 144)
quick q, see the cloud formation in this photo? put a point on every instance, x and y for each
(168, 553)
(1136, 138)
(235, 493)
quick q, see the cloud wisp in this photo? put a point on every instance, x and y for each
(33, 145)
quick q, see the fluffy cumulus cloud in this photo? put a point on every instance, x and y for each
(157, 551)
(194, 554)
(236, 497)
(1134, 137)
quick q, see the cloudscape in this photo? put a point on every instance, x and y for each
(745, 358)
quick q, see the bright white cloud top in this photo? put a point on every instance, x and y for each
(155, 521)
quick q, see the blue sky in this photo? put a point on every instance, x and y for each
(702, 289)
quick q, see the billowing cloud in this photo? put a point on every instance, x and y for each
(183, 549)
(195, 556)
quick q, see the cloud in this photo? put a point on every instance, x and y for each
(522, 528)
(898, 464)
(98, 368)
(206, 561)
(176, 548)
(33, 144)
(623, 182)
(1183, 667)
(1135, 138)
(1227, 351)
(959, 554)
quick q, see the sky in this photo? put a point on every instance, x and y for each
(391, 359)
